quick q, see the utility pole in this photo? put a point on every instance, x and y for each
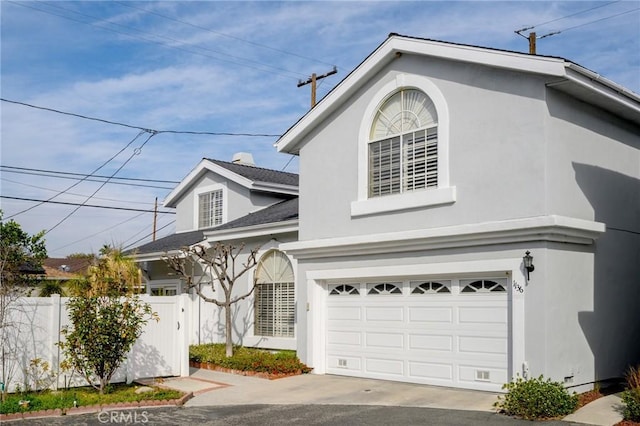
(312, 80)
(532, 43)
(155, 219)
(532, 39)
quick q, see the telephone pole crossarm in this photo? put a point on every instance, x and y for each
(313, 80)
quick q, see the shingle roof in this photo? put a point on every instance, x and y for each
(279, 212)
(171, 242)
(73, 265)
(259, 174)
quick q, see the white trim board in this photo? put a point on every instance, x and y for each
(541, 228)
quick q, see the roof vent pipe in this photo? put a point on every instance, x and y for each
(243, 158)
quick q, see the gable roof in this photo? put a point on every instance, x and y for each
(272, 216)
(567, 76)
(251, 177)
(259, 174)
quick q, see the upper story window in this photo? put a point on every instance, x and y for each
(403, 148)
(210, 209)
(403, 151)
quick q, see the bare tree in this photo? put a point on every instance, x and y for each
(222, 264)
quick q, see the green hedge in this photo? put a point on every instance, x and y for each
(248, 359)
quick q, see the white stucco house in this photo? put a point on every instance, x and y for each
(240, 204)
(429, 176)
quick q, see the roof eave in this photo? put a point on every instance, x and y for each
(619, 98)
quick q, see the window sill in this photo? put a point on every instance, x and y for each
(396, 202)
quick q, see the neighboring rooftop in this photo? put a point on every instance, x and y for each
(279, 212)
(258, 174)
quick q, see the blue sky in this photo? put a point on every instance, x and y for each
(221, 67)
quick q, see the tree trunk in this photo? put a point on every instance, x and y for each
(227, 327)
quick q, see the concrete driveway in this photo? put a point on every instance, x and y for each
(220, 389)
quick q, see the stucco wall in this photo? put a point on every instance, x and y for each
(496, 151)
(239, 202)
(208, 319)
(593, 172)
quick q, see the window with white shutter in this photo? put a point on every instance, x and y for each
(210, 209)
(274, 310)
(403, 150)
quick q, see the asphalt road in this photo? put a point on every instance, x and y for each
(267, 415)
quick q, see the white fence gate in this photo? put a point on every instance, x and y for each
(34, 332)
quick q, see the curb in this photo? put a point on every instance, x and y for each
(92, 409)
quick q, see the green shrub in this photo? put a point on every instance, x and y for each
(536, 399)
(631, 397)
(248, 359)
(631, 400)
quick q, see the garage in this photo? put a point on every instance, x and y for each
(446, 332)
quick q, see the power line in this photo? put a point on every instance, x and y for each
(95, 176)
(83, 179)
(567, 16)
(83, 205)
(223, 34)
(75, 194)
(144, 129)
(262, 64)
(136, 151)
(591, 22)
(86, 180)
(99, 232)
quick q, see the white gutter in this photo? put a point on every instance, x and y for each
(604, 81)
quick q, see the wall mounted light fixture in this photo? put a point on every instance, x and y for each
(528, 263)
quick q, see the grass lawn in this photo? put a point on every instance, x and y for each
(248, 359)
(85, 396)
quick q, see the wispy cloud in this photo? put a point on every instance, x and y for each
(119, 63)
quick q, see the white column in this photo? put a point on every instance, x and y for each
(54, 335)
(182, 318)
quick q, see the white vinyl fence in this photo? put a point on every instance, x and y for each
(34, 331)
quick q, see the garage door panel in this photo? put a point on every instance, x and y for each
(384, 366)
(384, 340)
(487, 314)
(430, 370)
(426, 314)
(344, 364)
(482, 345)
(348, 338)
(482, 374)
(386, 314)
(431, 342)
(345, 313)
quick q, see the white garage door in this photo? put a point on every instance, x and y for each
(451, 332)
